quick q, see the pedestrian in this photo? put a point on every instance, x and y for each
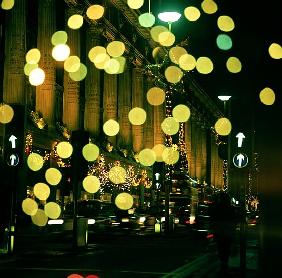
(223, 224)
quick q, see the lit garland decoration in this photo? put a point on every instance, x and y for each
(37, 120)
(225, 175)
(28, 144)
(183, 150)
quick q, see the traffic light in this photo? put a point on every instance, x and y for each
(158, 175)
(14, 137)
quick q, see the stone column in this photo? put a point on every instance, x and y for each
(203, 154)
(193, 172)
(92, 115)
(71, 101)
(198, 150)
(124, 106)
(213, 161)
(159, 116)
(15, 50)
(137, 101)
(188, 142)
(45, 93)
(110, 100)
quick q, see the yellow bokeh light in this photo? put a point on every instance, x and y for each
(187, 62)
(112, 66)
(192, 13)
(95, 51)
(225, 23)
(166, 38)
(267, 96)
(41, 191)
(173, 74)
(155, 96)
(95, 12)
(115, 48)
(59, 37)
(91, 184)
(147, 157)
(135, 4)
(40, 218)
(156, 30)
(72, 64)
(60, 52)
(146, 20)
(233, 65)
(33, 56)
(124, 201)
(170, 155)
(7, 4)
(122, 63)
(137, 116)
(29, 206)
(29, 67)
(75, 21)
(117, 175)
(204, 65)
(175, 53)
(158, 150)
(181, 113)
(52, 210)
(156, 51)
(90, 152)
(102, 60)
(35, 161)
(53, 176)
(209, 6)
(275, 51)
(111, 127)
(170, 126)
(223, 126)
(80, 74)
(6, 113)
(64, 149)
(36, 77)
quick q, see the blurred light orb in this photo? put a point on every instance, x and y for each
(267, 96)
(80, 74)
(29, 206)
(101, 61)
(29, 67)
(209, 6)
(147, 157)
(155, 96)
(115, 48)
(233, 65)
(135, 4)
(53, 176)
(170, 155)
(146, 20)
(181, 113)
(124, 201)
(95, 12)
(6, 113)
(169, 16)
(137, 116)
(33, 56)
(60, 52)
(72, 64)
(59, 37)
(90, 152)
(112, 66)
(175, 53)
(52, 210)
(111, 127)
(166, 38)
(223, 126)
(192, 13)
(187, 62)
(156, 31)
(75, 21)
(225, 23)
(173, 74)
(35, 161)
(204, 65)
(91, 184)
(170, 126)
(41, 191)
(122, 63)
(95, 51)
(117, 175)
(158, 150)
(275, 51)
(7, 4)
(36, 77)
(64, 149)
(224, 42)
(40, 218)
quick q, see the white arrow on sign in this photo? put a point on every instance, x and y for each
(240, 159)
(13, 139)
(13, 159)
(240, 137)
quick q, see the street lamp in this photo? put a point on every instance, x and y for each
(169, 17)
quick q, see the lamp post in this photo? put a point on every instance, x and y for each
(227, 113)
(169, 17)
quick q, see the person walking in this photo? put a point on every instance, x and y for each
(223, 223)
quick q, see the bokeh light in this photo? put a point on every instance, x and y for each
(267, 96)
(155, 96)
(72, 64)
(209, 6)
(64, 149)
(35, 161)
(173, 74)
(170, 155)
(115, 48)
(156, 31)
(124, 201)
(75, 21)
(60, 52)
(225, 23)
(111, 127)
(204, 65)
(90, 152)
(224, 42)
(223, 126)
(233, 65)
(135, 4)
(7, 4)
(29, 206)
(95, 52)
(170, 126)
(53, 176)
(91, 184)
(95, 12)
(137, 116)
(187, 62)
(80, 74)
(33, 56)
(40, 218)
(112, 66)
(175, 53)
(117, 175)
(181, 113)
(36, 77)
(146, 20)
(166, 38)
(275, 51)
(52, 210)
(41, 191)
(6, 113)
(192, 13)
(147, 157)
(59, 37)
(158, 150)
(29, 67)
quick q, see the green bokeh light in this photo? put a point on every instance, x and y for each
(224, 42)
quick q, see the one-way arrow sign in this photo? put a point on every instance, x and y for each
(240, 160)
(13, 139)
(240, 137)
